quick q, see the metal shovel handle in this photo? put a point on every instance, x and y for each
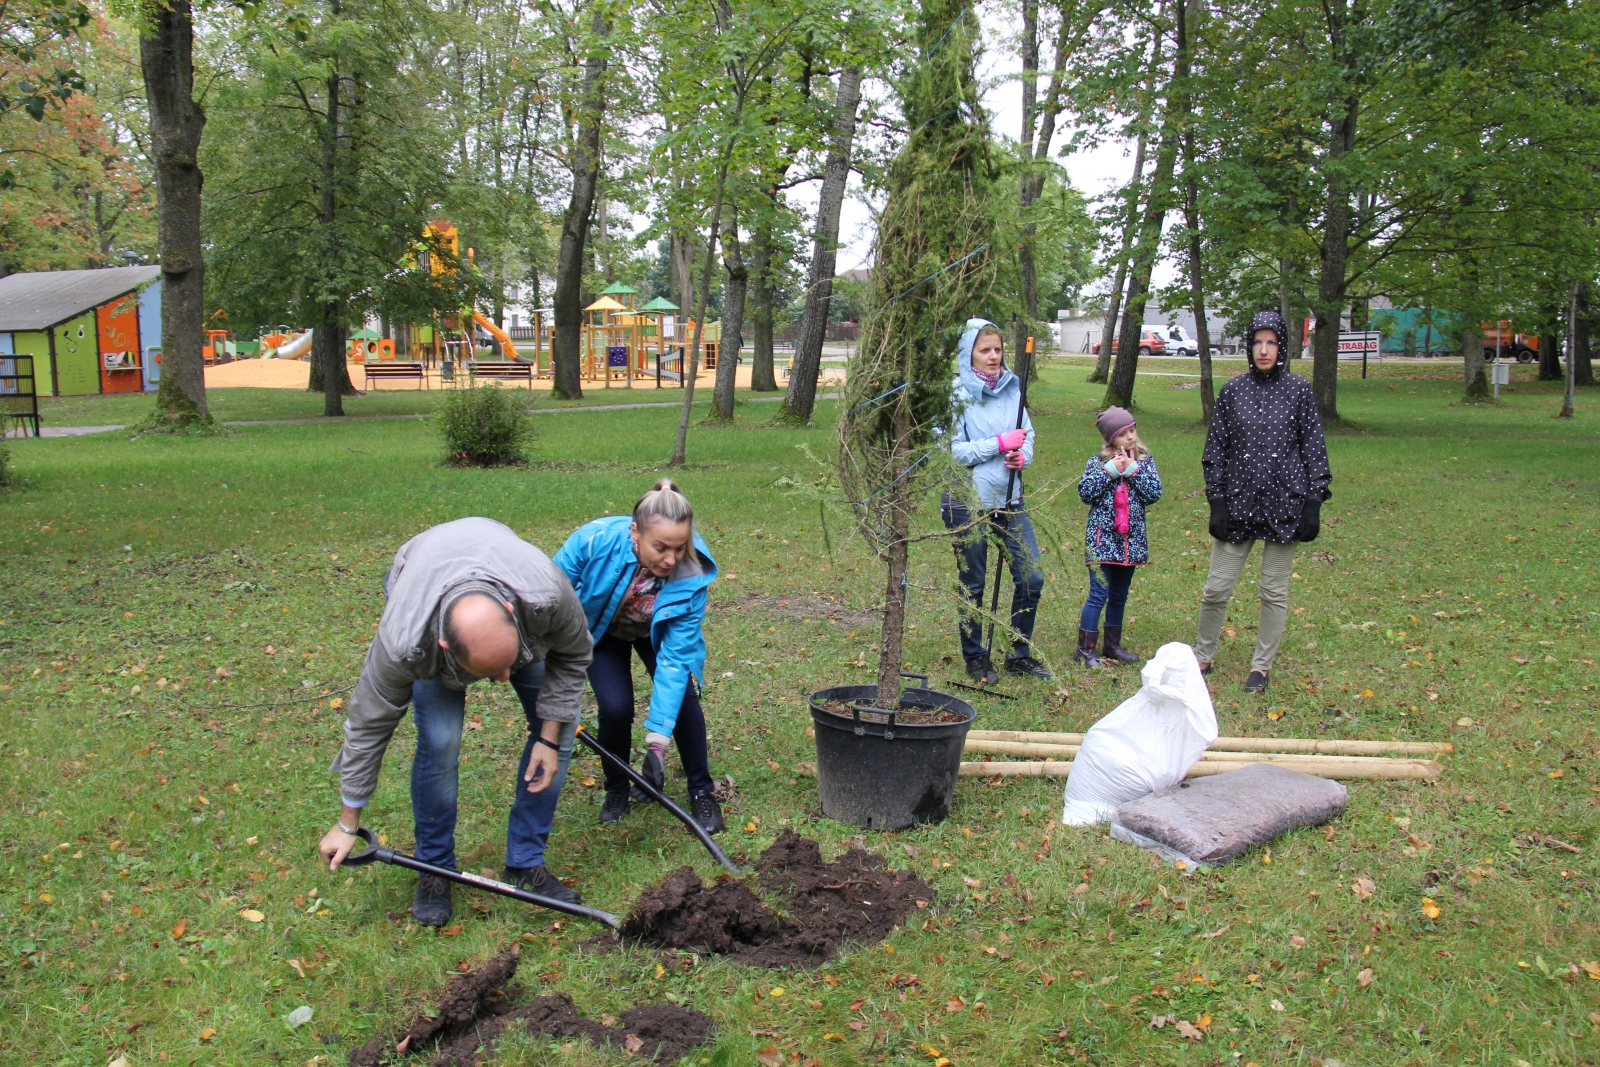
(376, 852)
(660, 798)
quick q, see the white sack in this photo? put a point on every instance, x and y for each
(1148, 742)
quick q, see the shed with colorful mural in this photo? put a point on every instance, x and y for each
(88, 331)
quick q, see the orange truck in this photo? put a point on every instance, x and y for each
(1500, 340)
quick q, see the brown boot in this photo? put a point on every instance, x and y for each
(1113, 649)
(1086, 654)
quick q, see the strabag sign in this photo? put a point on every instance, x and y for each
(1360, 344)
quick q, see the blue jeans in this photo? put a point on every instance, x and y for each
(1111, 594)
(439, 711)
(1014, 530)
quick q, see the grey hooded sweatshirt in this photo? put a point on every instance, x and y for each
(435, 567)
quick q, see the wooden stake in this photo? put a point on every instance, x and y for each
(1308, 745)
(1344, 769)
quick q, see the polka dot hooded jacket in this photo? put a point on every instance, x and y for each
(1265, 456)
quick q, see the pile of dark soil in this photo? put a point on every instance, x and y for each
(477, 1009)
(908, 715)
(855, 899)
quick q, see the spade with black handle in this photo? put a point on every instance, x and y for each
(375, 851)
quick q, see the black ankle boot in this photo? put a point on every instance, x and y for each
(1086, 654)
(1113, 649)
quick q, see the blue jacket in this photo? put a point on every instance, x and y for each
(1101, 542)
(598, 560)
(982, 414)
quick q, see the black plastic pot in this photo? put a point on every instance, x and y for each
(882, 774)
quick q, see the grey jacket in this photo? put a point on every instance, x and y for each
(550, 626)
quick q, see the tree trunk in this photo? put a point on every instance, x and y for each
(1119, 391)
(680, 281)
(1286, 309)
(1191, 216)
(681, 447)
(732, 322)
(329, 375)
(892, 638)
(801, 399)
(1583, 365)
(1474, 368)
(568, 302)
(1102, 366)
(1550, 352)
(176, 122)
(763, 378)
(1572, 352)
(1027, 269)
(1334, 257)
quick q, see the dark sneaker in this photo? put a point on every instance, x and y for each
(615, 805)
(1256, 683)
(981, 670)
(1027, 665)
(707, 812)
(431, 905)
(540, 880)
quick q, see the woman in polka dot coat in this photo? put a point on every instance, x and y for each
(1266, 471)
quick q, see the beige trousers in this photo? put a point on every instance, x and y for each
(1227, 563)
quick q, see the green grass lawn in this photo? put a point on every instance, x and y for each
(245, 404)
(180, 618)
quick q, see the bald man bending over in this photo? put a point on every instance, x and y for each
(468, 600)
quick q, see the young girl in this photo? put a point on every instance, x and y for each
(1119, 482)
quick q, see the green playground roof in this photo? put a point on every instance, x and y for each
(365, 335)
(661, 303)
(618, 289)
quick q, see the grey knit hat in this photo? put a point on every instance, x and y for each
(1113, 421)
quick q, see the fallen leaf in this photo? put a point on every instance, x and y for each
(1363, 887)
(814, 1003)
(857, 1024)
(587, 781)
(954, 1004)
(769, 1057)
(450, 931)
(1364, 979)
(1297, 941)
(298, 968)
(181, 929)
(1465, 721)
(207, 1034)
(855, 1005)
(1277, 1005)
(251, 915)
(120, 1061)
(1189, 1032)
(1157, 1022)
(633, 1044)
(930, 1050)
(776, 991)
(1591, 968)
(1080, 889)
(1429, 908)
(1275, 714)
(1421, 844)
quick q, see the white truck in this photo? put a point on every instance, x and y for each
(1179, 343)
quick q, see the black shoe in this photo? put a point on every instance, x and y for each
(615, 805)
(981, 670)
(431, 905)
(1086, 654)
(540, 880)
(707, 812)
(1027, 665)
(1256, 683)
(1113, 650)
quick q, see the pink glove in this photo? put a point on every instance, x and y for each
(1015, 460)
(1012, 440)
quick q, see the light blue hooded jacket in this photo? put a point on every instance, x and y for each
(598, 559)
(981, 415)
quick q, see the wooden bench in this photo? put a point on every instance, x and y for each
(397, 370)
(502, 370)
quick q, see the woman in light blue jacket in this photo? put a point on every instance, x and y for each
(985, 439)
(642, 582)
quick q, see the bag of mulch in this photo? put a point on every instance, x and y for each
(1147, 743)
(1206, 822)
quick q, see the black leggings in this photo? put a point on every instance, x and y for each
(611, 676)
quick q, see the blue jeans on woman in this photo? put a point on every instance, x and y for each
(1110, 594)
(439, 712)
(611, 676)
(1014, 531)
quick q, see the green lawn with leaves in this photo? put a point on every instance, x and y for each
(181, 617)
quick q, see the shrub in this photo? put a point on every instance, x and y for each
(485, 426)
(5, 462)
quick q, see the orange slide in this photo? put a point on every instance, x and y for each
(507, 348)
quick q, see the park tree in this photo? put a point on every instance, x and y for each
(329, 167)
(935, 266)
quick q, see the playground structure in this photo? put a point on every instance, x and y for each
(623, 343)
